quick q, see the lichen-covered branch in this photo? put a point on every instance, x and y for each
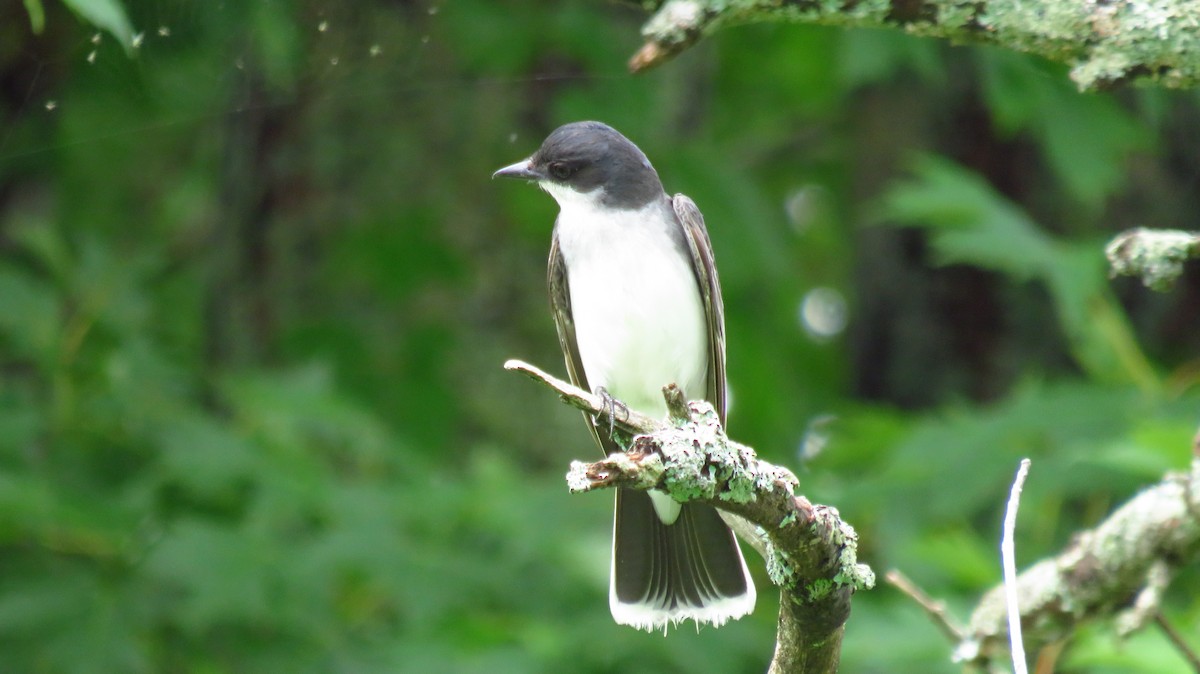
(1119, 569)
(811, 553)
(1154, 255)
(1105, 43)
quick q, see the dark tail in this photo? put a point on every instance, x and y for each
(663, 574)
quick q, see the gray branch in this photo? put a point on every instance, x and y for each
(1119, 570)
(1154, 255)
(1105, 43)
(811, 553)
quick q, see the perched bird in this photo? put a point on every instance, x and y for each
(637, 303)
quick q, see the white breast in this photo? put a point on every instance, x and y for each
(639, 317)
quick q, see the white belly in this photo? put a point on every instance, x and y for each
(639, 317)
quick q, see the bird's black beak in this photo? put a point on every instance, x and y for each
(523, 170)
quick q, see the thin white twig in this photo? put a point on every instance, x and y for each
(1008, 556)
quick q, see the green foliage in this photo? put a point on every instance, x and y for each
(107, 15)
(1085, 137)
(256, 290)
(971, 224)
(37, 15)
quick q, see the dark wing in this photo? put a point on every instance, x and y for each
(560, 306)
(710, 289)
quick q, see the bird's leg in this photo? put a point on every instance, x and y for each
(611, 405)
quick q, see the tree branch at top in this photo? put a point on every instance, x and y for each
(1104, 43)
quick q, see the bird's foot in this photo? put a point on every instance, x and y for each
(611, 406)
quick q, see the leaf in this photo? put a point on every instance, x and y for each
(969, 223)
(106, 15)
(48, 245)
(1085, 137)
(278, 44)
(37, 16)
(31, 314)
(299, 410)
(222, 574)
(204, 455)
(970, 453)
(867, 57)
(40, 605)
(959, 554)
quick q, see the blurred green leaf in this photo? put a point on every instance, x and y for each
(1147, 651)
(219, 574)
(293, 411)
(969, 223)
(31, 321)
(280, 46)
(954, 555)
(206, 456)
(1086, 137)
(39, 606)
(107, 15)
(869, 56)
(37, 16)
(970, 455)
(46, 244)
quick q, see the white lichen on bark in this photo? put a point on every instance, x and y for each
(1104, 41)
(1154, 255)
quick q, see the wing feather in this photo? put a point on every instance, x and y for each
(560, 306)
(705, 267)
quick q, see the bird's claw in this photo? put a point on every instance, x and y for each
(610, 405)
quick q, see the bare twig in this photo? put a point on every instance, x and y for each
(630, 421)
(1047, 657)
(934, 608)
(1008, 556)
(1177, 639)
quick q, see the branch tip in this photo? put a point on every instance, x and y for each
(650, 55)
(934, 608)
(676, 26)
(677, 405)
(1156, 256)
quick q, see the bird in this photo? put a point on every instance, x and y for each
(637, 305)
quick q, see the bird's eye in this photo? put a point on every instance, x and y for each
(561, 170)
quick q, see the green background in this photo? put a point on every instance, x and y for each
(256, 289)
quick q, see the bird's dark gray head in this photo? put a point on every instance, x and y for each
(594, 159)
